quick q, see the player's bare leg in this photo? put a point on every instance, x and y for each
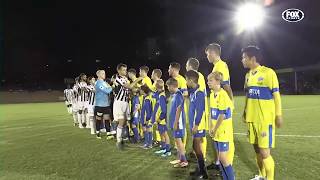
(226, 167)
(135, 133)
(182, 154)
(107, 124)
(119, 133)
(149, 138)
(162, 144)
(262, 171)
(167, 145)
(80, 112)
(75, 118)
(92, 125)
(145, 135)
(197, 147)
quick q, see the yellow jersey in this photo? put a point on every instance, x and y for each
(260, 84)
(202, 83)
(147, 81)
(222, 67)
(182, 83)
(220, 103)
(203, 88)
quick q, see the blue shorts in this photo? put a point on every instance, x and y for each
(221, 146)
(162, 128)
(178, 133)
(201, 133)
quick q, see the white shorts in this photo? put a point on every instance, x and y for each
(82, 105)
(121, 110)
(75, 107)
(90, 110)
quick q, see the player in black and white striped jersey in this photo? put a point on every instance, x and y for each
(75, 103)
(90, 104)
(121, 111)
(68, 93)
(82, 93)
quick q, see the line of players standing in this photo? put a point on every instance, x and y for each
(145, 104)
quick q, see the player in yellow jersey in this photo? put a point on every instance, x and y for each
(193, 64)
(213, 52)
(156, 75)
(262, 109)
(145, 78)
(132, 74)
(174, 72)
(197, 121)
(221, 129)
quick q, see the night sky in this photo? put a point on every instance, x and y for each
(47, 41)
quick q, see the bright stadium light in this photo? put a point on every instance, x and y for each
(249, 16)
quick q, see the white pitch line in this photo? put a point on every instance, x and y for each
(293, 109)
(284, 135)
(299, 108)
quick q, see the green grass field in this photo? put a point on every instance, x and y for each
(38, 141)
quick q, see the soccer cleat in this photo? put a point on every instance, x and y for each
(174, 162)
(203, 175)
(148, 147)
(98, 136)
(181, 165)
(257, 177)
(113, 132)
(166, 154)
(161, 151)
(109, 137)
(144, 146)
(156, 144)
(213, 166)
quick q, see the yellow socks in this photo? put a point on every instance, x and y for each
(268, 164)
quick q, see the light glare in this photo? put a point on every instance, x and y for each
(249, 17)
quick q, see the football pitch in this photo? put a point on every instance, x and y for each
(38, 141)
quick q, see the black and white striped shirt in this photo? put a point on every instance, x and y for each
(68, 94)
(91, 94)
(82, 92)
(120, 92)
(75, 94)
